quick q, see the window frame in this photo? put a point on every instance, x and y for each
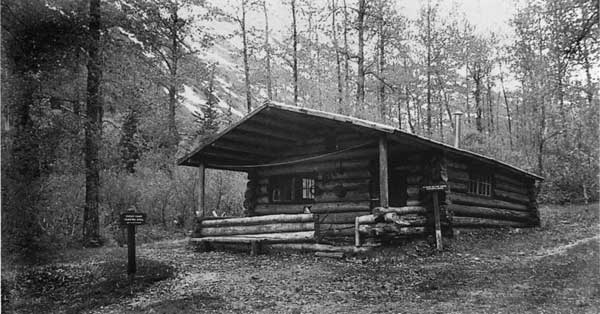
(295, 186)
(480, 182)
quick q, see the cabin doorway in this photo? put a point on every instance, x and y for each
(397, 188)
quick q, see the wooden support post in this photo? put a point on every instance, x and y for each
(201, 187)
(383, 172)
(436, 217)
(255, 247)
(356, 232)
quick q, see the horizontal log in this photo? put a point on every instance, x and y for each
(458, 186)
(361, 185)
(330, 254)
(457, 175)
(342, 196)
(283, 237)
(511, 188)
(257, 229)
(402, 220)
(459, 198)
(412, 191)
(406, 210)
(388, 228)
(308, 167)
(347, 174)
(325, 207)
(264, 199)
(409, 168)
(490, 213)
(510, 196)
(414, 203)
(339, 218)
(470, 222)
(510, 180)
(315, 247)
(256, 220)
(336, 230)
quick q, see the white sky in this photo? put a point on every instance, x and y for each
(486, 15)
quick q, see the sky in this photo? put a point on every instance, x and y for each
(486, 15)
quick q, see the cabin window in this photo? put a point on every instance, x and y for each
(292, 188)
(480, 184)
(308, 188)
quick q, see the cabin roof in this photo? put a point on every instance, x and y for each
(260, 137)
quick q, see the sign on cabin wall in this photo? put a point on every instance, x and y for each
(434, 187)
(130, 218)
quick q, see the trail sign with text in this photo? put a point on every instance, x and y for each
(131, 219)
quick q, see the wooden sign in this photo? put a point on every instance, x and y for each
(436, 211)
(434, 187)
(132, 218)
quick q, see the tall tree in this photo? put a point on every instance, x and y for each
(295, 52)
(360, 76)
(93, 130)
(242, 22)
(267, 49)
(338, 69)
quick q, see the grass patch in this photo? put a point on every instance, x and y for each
(79, 288)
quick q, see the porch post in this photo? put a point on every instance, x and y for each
(383, 172)
(201, 183)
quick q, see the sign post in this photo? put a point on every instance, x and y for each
(434, 189)
(131, 219)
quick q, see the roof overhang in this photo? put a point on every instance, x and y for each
(262, 136)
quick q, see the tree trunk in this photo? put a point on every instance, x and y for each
(477, 93)
(490, 105)
(172, 89)
(268, 54)
(381, 54)
(295, 52)
(245, 52)
(93, 131)
(347, 55)
(338, 69)
(428, 69)
(508, 118)
(360, 79)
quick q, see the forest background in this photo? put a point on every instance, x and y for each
(100, 98)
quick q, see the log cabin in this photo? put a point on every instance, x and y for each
(324, 178)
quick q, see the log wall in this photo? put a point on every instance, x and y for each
(344, 184)
(512, 203)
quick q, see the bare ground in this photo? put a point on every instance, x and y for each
(552, 269)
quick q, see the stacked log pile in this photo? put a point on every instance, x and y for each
(390, 222)
(512, 203)
(271, 228)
